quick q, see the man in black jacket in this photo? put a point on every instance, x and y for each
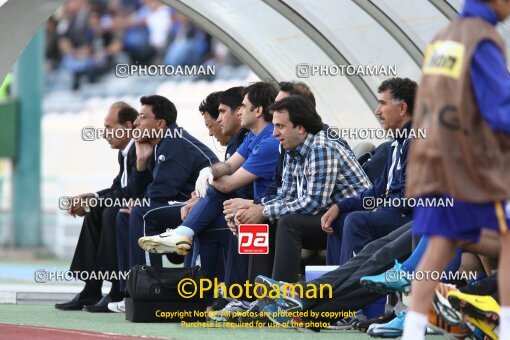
(169, 160)
(96, 249)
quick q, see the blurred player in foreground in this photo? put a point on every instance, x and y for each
(463, 103)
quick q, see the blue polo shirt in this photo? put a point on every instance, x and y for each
(261, 155)
(489, 75)
(235, 142)
(232, 146)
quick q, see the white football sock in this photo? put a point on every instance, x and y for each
(415, 326)
(504, 323)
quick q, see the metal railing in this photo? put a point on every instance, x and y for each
(59, 230)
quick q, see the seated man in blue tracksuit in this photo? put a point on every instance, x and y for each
(166, 170)
(222, 118)
(253, 162)
(350, 223)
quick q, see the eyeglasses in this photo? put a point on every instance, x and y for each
(211, 125)
(143, 116)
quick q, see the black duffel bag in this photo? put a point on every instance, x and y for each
(153, 291)
(146, 283)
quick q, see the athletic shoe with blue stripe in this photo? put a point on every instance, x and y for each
(280, 315)
(392, 329)
(276, 309)
(392, 280)
(288, 298)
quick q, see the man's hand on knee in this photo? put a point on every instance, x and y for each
(127, 209)
(231, 206)
(252, 215)
(187, 208)
(79, 205)
(328, 218)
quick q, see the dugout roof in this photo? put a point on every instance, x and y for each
(274, 36)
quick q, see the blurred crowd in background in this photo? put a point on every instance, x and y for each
(89, 37)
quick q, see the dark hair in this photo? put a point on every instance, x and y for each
(233, 97)
(401, 89)
(126, 112)
(299, 88)
(162, 108)
(301, 112)
(210, 104)
(262, 94)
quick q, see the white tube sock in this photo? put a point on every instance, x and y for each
(504, 323)
(185, 231)
(415, 326)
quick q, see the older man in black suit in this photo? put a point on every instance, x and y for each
(96, 249)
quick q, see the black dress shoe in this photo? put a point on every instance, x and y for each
(102, 305)
(77, 303)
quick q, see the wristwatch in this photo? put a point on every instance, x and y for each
(264, 212)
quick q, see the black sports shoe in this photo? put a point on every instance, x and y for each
(231, 311)
(381, 319)
(218, 304)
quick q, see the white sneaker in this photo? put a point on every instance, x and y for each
(117, 307)
(167, 242)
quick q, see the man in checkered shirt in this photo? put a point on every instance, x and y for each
(317, 172)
